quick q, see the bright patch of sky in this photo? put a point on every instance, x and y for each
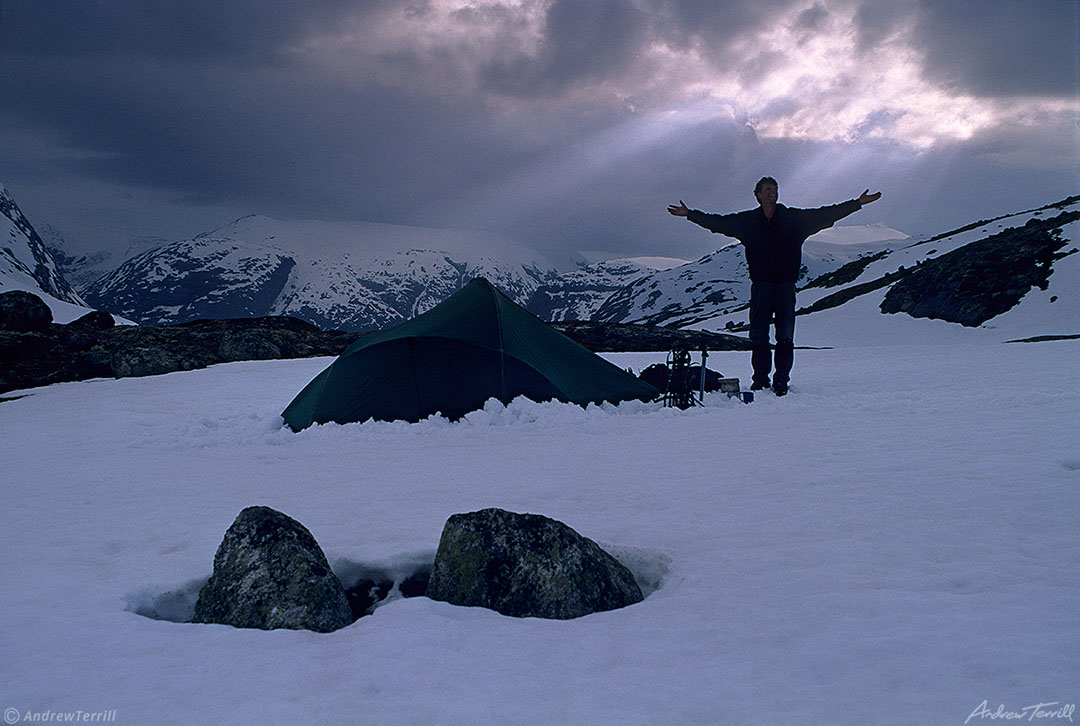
(805, 74)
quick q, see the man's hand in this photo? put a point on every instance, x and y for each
(680, 210)
(865, 198)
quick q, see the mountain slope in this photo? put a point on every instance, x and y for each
(25, 263)
(719, 283)
(81, 269)
(351, 276)
(577, 295)
(200, 278)
(1016, 276)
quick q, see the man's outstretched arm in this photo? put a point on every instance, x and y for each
(726, 224)
(821, 218)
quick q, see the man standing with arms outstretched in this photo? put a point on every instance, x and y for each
(772, 236)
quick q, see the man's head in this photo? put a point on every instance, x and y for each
(766, 190)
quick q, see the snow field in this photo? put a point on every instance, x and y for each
(894, 542)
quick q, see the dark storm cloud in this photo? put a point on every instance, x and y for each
(582, 43)
(242, 30)
(203, 103)
(196, 97)
(197, 137)
(997, 48)
(543, 120)
(812, 18)
(1015, 47)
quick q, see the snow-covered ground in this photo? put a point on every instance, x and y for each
(894, 543)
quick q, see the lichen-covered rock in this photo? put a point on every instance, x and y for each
(247, 345)
(269, 572)
(23, 311)
(526, 565)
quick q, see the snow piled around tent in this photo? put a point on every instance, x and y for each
(895, 542)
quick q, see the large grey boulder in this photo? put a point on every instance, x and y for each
(269, 572)
(22, 311)
(526, 565)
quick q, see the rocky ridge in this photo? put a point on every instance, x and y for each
(79, 351)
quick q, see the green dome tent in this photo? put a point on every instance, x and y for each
(476, 345)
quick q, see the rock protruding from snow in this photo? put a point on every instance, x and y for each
(94, 320)
(526, 565)
(984, 279)
(269, 572)
(23, 312)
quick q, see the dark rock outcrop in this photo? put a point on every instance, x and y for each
(846, 273)
(269, 572)
(94, 320)
(84, 349)
(526, 565)
(981, 280)
(23, 312)
(630, 338)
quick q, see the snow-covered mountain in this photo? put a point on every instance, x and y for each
(365, 276)
(352, 276)
(25, 263)
(719, 283)
(82, 268)
(200, 278)
(577, 295)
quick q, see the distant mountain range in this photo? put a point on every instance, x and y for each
(359, 276)
(366, 276)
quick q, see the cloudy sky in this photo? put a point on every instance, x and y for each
(566, 124)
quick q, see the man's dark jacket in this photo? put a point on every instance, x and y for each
(774, 246)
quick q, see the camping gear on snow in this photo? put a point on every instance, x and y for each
(476, 345)
(679, 381)
(679, 390)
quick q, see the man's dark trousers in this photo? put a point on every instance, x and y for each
(769, 300)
